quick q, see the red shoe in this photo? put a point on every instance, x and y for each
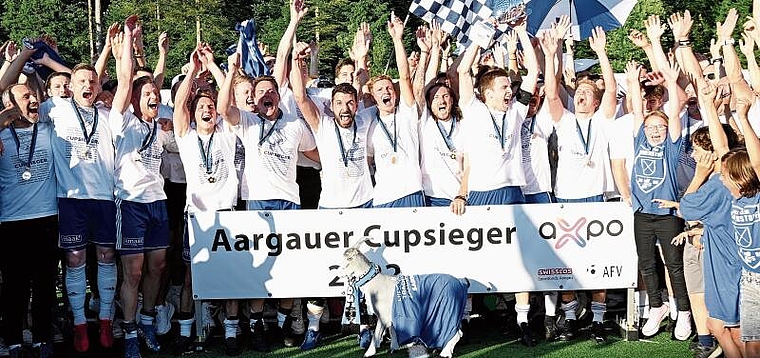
(106, 333)
(81, 341)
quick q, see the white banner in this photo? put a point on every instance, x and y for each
(248, 254)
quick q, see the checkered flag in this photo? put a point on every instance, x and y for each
(456, 17)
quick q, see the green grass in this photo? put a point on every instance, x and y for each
(485, 344)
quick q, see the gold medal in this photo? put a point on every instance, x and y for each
(589, 163)
(211, 180)
(453, 155)
(393, 158)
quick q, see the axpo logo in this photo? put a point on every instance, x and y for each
(579, 232)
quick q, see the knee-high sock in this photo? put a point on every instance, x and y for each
(230, 327)
(76, 286)
(599, 309)
(522, 313)
(106, 288)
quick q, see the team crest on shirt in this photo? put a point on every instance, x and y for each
(744, 218)
(650, 168)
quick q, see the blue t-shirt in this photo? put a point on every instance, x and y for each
(654, 174)
(711, 205)
(746, 219)
(27, 188)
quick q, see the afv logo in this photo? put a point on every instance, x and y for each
(579, 232)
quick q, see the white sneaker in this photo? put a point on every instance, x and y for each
(682, 331)
(164, 315)
(656, 315)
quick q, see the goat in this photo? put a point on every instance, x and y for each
(421, 311)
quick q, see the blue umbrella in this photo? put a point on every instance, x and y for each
(585, 14)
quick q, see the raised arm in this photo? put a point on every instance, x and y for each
(396, 30)
(224, 105)
(552, 100)
(632, 71)
(530, 61)
(747, 47)
(359, 52)
(298, 10)
(598, 43)
(655, 29)
(139, 47)
(436, 37)
(309, 110)
(11, 74)
(425, 43)
(750, 139)
(101, 64)
(160, 70)
(206, 55)
(122, 46)
(466, 85)
(182, 115)
(671, 72)
(717, 134)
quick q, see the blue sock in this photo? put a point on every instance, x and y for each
(705, 340)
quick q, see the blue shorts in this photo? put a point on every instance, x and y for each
(141, 226)
(591, 199)
(272, 204)
(86, 220)
(539, 198)
(413, 200)
(431, 201)
(366, 205)
(502, 196)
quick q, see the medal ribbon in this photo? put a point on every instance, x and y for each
(263, 138)
(32, 145)
(499, 133)
(394, 140)
(148, 140)
(342, 147)
(447, 137)
(206, 154)
(87, 137)
(585, 141)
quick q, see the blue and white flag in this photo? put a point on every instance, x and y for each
(251, 59)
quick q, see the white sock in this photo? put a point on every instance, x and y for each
(146, 320)
(230, 328)
(550, 303)
(674, 308)
(522, 313)
(598, 309)
(186, 327)
(569, 309)
(281, 319)
(76, 287)
(313, 314)
(106, 288)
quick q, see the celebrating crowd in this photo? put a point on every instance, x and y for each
(98, 175)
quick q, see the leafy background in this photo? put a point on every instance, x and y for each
(334, 21)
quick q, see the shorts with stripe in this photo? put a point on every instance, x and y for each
(141, 227)
(86, 220)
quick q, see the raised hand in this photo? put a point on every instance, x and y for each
(560, 28)
(163, 43)
(298, 10)
(424, 41)
(638, 38)
(681, 25)
(511, 42)
(632, 70)
(725, 29)
(395, 27)
(747, 44)
(301, 51)
(655, 28)
(598, 40)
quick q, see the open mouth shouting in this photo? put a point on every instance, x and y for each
(386, 99)
(206, 117)
(153, 105)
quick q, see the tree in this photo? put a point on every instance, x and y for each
(63, 21)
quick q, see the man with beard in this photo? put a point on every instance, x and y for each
(583, 154)
(28, 209)
(393, 141)
(142, 221)
(342, 144)
(84, 163)
(272, 140)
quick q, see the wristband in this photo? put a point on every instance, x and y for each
(461, 197)
(728, 42)
(684, 43)
(716, 59)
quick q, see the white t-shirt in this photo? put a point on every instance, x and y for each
(534, 141)
(139, 146)
(398, 171)
(441, 166)
(271, 153)
(620, 134)
(491, 165)
(582, 175)
(289, 106)
(214, 188)
(344, 184)
(35, 197)
(84, 170)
